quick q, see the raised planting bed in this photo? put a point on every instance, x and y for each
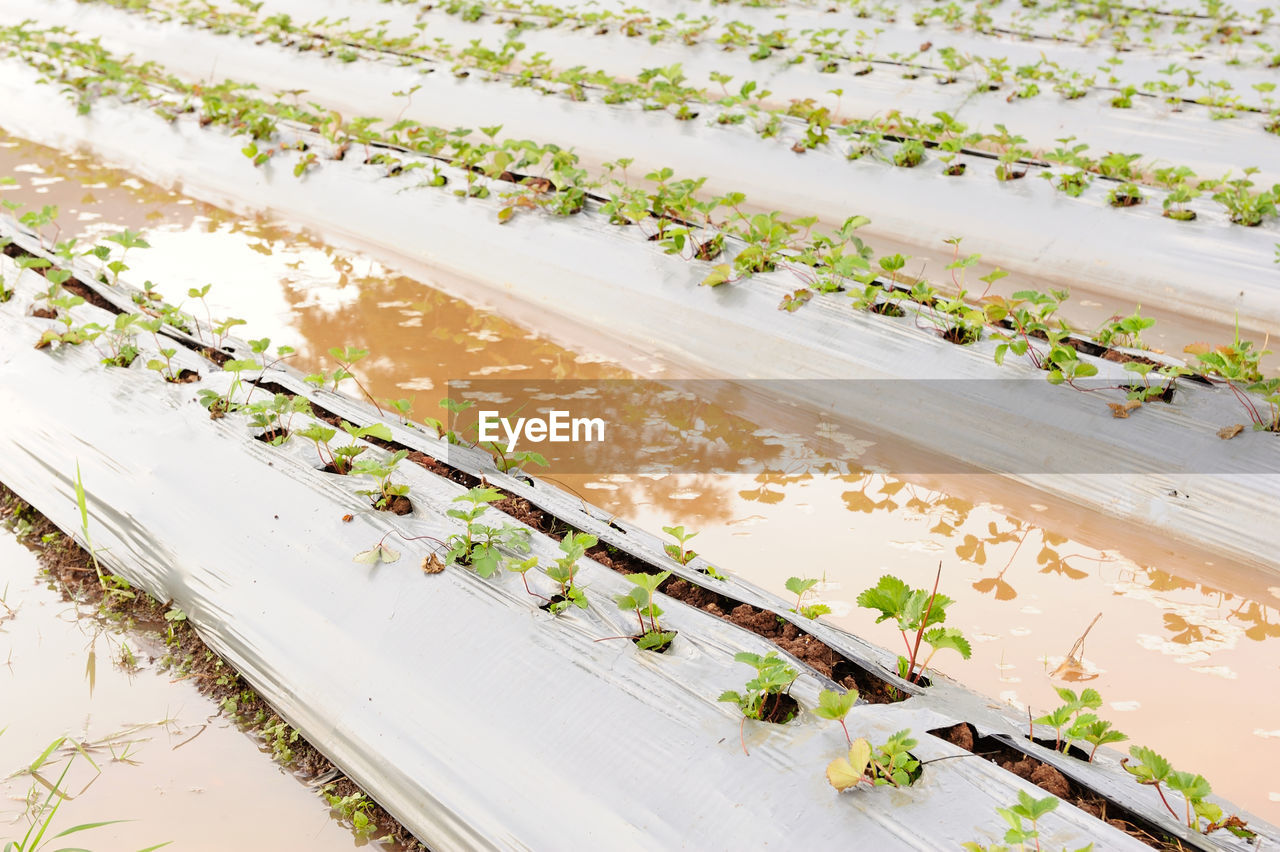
(433, 685)
(1167, 463)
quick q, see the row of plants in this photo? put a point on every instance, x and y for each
(892, 137)
(680, 222)
(1120, 25)
(832, 50)
(488, 549)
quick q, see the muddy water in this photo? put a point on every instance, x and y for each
(1179, 654)
(166, 762)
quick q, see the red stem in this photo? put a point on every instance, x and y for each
(1172, 813)
(911, 667)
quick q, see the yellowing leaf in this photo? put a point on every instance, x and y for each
(719, 275)
(1196, 348)
(378, 553)
(1226, 433)
(845, 772)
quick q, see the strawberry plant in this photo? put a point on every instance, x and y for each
(836, 706)
(1124, 331)
(340, 459)
(640, 600)
(1126, 194)
(565, 572)
(479, 547)
(1070, 715)
(385, 492)
(1199, 814)
(274, 416)
(678, 551)
(765, 697)
(888, 764)
(1027, 809)
(800, 587)
(1246, 207)
(217, 403)
(918, 611)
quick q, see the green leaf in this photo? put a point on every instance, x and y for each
(948, 637)
(797, 586)
(719, 275)
(889, 596)
(835, 705)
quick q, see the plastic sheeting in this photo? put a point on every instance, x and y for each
(475, 718)
(650, 301)
(1207, 270)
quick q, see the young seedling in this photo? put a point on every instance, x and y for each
(386, 495)
(275, 416)
(1153, 770)
(764, 697)
(1069, 713)
(836, 706)
(347, 357)
(565, 572)
(640, 600)
(887, 764)
(478, 547)
(915, 610)
(678, 551)
(220, 405)
(1027, 809)
(340, 459)
(126, 239)
(800, 588)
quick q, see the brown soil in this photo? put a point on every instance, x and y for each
(188, 657)
(44, 313)
(1052, 781)
(779, 709)
(90, 296)
(822, 658)
(185, 377)
(398, 505)
(888, 309)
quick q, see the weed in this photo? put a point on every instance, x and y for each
(352, 810)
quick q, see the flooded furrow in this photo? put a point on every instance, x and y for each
(1182, 635)
(143, 747)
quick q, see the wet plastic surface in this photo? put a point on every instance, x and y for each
(432, 690)
(701, 328)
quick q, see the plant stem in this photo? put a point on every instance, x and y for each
(1171, 811)
(911, 674)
